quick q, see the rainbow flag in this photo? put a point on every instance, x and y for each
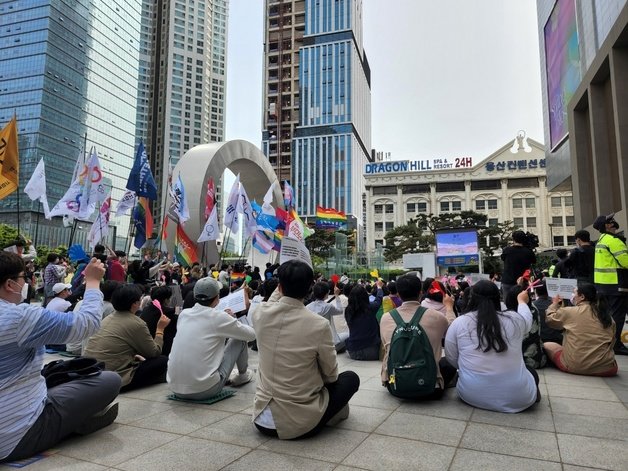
(184, 248)
(143, 220)
(329, 218)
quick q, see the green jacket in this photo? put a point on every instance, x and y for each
(611, 253)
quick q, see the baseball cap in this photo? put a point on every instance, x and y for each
(206, 288)
(58, 287)
(601, 221)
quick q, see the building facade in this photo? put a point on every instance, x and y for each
(504, 186)
(584, 69)
(68, 69)
(183, 73)
(283, 37)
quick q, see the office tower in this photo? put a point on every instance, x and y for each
(283, 37)
(181, 102)
(584, 69)
(68, 69)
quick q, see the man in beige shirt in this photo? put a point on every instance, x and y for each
(299, 389)
(433, 322)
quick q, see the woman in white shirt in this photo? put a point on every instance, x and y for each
(485, 346)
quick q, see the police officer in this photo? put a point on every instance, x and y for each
(611, 254)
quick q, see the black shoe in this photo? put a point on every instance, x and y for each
(621, 350)
(98, 421)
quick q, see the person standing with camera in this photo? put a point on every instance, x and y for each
(611, 262)
(517, 258)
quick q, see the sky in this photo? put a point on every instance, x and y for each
(455, 78)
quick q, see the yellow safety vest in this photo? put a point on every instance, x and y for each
(610, 254)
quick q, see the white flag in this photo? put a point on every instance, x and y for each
(84, 193)
(231, 211)
(211, 231)
(244, 208)
(267, 207)
(36, 187)
(100, 227)
(126, 202)
(180, 202)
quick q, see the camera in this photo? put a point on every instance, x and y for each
(531, 241)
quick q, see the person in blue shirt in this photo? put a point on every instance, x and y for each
(32, 417)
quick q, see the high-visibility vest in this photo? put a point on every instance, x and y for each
(611, 253)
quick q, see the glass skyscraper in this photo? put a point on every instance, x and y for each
(69, 69)
(333, 140)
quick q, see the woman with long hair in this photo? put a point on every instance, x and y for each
(361, 316)
(485, 345)
(588, 337)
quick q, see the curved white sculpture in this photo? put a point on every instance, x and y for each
(203, 161)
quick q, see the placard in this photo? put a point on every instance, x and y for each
(292, 249)
(561, 286)
(235, 302)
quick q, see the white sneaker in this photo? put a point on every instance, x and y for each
(240, 379)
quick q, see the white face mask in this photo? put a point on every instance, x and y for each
(573, 300)
(23, 292)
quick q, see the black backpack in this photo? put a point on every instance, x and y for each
(411, 366)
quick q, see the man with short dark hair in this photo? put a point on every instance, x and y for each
(208, 344)
(299, 389)
(517, 259)
(53, 273)
(34, 418)
(433, 322)
(327, 310)
(582, 258)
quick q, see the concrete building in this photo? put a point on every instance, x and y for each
(317, 102)
(181, 101)
(283, 37)
(68, 69)
(584, 68)
(504, 186)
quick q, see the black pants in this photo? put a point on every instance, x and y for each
(617, 307)
(340, 393)
(447, 371)
(67, 407)
(151, 371)
(535, 375)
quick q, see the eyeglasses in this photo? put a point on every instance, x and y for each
(24, 277)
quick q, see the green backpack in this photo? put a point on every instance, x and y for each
(411, 365)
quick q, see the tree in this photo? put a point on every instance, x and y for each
(320, 243)
(406, 239)
(8, 235)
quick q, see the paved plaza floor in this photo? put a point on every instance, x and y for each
(581, 423)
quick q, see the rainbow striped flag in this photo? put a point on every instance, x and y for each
(329, 218)
(143, 220)
(184, 248)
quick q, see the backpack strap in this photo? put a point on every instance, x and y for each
(397, 318)
(418, 315)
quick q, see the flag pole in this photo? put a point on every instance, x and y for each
(131, 232)
(37, 222)
(224, 243)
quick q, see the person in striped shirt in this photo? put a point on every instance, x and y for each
(32, 417)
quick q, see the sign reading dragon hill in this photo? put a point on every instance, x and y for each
(402, 166)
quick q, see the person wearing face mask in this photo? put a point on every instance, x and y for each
(34, 418)
(588, 337)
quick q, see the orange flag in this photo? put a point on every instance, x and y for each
(9, 161)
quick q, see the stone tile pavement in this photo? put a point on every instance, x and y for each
(580, 424)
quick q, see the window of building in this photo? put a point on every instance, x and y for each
(518, 222)
(568, 200)
(558, 241)
(556, 202)
(385, 190)
(492, 204)
(379, 226)
(530, 203)
(557, 220)
(418, 188)
(444, 206)
(480, 185)
(532, 182)
(390, 209)
(571, 240)
(517, 203)
(570, 220)
(531, 222)
(411, 207)
(480, 205)
(456, 205)
(379, 242)
(493, 222)
(421, 207)
(390, 226)
(379, 208)
(448, 187)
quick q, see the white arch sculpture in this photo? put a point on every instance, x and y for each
(203, 161)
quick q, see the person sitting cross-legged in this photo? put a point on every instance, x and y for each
(34, 418)
(329, 309)
(299, 389)
(433, 323)
(208, 344)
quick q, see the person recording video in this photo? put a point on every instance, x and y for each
(517, 258)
